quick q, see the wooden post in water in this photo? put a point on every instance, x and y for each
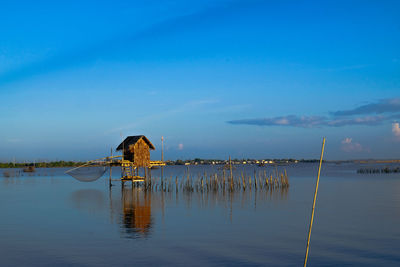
(110, 169)
(145, 177)
(313, 207)
(162, 159)
(149, 176)
(231, 174)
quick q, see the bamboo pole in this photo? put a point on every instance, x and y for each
(313, 207)
(123, 146)
(110, 169)
(162, 158)
(231, 174)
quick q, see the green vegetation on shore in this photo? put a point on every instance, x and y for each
(52, 164)
(198, 161)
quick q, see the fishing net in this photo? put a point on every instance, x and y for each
(87, 173)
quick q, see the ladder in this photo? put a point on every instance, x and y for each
(127, 170)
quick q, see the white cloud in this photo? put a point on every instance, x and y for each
(347, 140)
(282, 121)
(349, 146)
(396, 129)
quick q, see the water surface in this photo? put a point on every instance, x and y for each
(52, 219)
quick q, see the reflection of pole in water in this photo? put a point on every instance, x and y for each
(230, 204)
(162, 206)
(111, 204)
(255, 200)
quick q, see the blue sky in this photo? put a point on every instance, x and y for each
(258, 79)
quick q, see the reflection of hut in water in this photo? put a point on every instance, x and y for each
(136, 208)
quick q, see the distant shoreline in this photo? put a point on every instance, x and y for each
(266, 162)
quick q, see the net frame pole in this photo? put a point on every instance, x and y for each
(162, 159)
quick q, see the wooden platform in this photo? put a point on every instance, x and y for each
(132, 179)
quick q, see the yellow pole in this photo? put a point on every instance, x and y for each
(162, 159)
(123, 146)
(313, 207)
(162, 148)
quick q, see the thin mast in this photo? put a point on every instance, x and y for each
(313, 207)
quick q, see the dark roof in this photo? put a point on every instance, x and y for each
(131, 140)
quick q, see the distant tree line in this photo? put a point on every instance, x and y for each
(52, 164)
(199, 161)
(196, 161)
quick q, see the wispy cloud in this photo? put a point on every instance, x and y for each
(311, 121)
(291, 120)
(350, 67)
(184, 108)
(382, 106)
(109, 48)
(366, 120)
(369, 114)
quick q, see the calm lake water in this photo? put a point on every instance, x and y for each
(51, 219)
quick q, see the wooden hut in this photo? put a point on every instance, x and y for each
(136, 149)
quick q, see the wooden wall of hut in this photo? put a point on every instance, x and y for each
(139, 153)
(128, 155)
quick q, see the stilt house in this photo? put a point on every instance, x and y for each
(137, 150)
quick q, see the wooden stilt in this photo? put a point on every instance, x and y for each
(109, 184)
(231, 174)
(162, 158)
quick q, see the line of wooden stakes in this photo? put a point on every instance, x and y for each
(219, 182)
